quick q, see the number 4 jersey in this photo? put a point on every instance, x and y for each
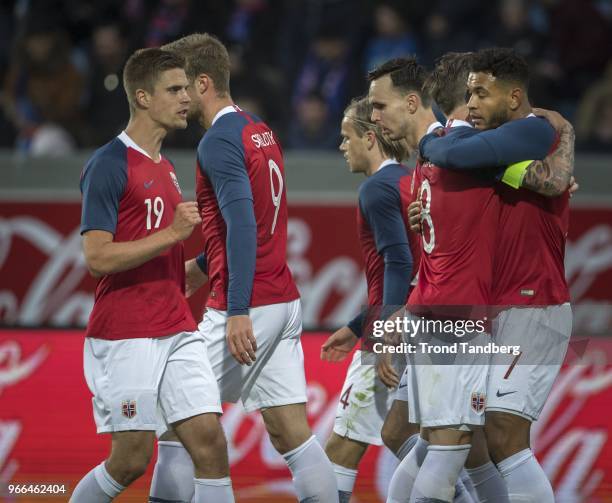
(126, 193)
(240, 158)
(459, 220)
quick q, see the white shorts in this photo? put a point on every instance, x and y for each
(364, 402)
(448, 394)
(543, 334)
(401, 393)
(134, 380)
(277, 375)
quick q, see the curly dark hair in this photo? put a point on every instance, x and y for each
(503, 63)
(447, 83)
(406, 75)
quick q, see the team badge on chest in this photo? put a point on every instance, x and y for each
(128, 408)
(175, 182)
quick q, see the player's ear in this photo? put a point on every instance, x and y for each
(515, 98)
(142, 98)
(202, 83)
(413, 101)
(370, 139)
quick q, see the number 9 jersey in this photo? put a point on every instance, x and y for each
(240, 158)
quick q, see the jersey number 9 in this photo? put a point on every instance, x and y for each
(275, 172)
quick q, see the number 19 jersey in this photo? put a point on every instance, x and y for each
(459, 220)
(240, 158)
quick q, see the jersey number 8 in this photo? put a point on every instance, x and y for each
(428, 245)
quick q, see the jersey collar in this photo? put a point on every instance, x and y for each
(387, 162)
(128, 142)
(432, 126)
(457, 123)
(224, 111)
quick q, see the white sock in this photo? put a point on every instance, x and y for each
(525, 478)
(407, 446)
(217, 490)
(439, 473)
(313, 473)
(462, 495)
(469, 486)
(406, 472)
(345, 477)
(96, 487)
(173, 474)
(489, 484)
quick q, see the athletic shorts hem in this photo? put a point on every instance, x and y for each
(450, 422)
(359, 438)
(114, 428)
(255, 405)
(179, 416)
(514, 412)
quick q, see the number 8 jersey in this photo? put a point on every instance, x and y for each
(459, 218)
(240, 158)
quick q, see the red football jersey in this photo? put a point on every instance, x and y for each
(128, 194)
(236, 142)
(459, 222)
(530, 251)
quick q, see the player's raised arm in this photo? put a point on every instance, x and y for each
(223, 162)
(467, 148)
(553, 175)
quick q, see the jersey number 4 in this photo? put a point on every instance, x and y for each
(156, 207)
(275, 172)
(428, 244)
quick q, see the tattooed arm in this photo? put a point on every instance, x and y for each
(551, 176)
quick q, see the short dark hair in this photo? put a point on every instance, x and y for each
(447, 83)
(360, 113)
(503, 63)
(406, 75)
(204, 53)
(144, 67)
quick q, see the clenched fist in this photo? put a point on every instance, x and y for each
(186, 217)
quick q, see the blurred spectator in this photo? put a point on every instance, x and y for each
(43, 85)
(392, 38)
(325, 72)
(312, 127)
(594, 117)
(107, 111)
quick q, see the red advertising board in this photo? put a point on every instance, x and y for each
(43, 279)
(47, 434)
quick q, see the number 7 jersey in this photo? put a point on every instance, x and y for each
(240, 158)
(459, 221)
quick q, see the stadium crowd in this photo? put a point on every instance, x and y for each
(295, 63)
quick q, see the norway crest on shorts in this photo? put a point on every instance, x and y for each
(478, 402)
(175, 182)
(128, 408)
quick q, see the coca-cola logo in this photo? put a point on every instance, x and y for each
(56, 296)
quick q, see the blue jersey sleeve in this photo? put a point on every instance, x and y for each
(380, 204)
(222, 160)
(102, 185)
(467, 148)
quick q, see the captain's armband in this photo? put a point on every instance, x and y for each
(515, 173)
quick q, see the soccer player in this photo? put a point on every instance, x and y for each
(253, 324)
(389, 251)
(142, 351)
(533, 293)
